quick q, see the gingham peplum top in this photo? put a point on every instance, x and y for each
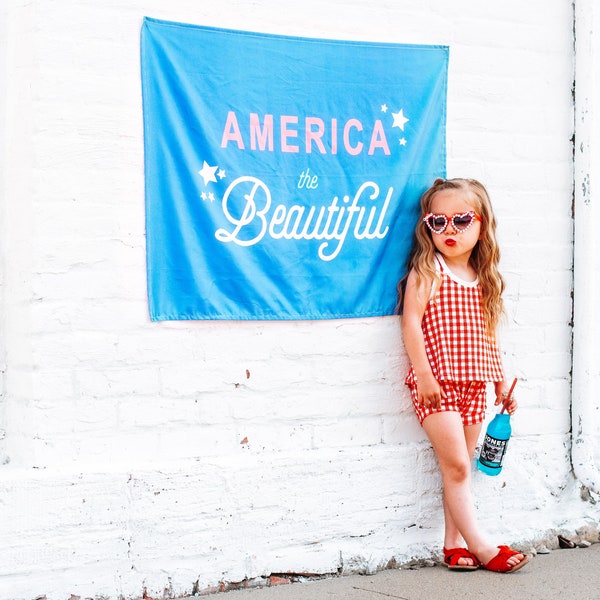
(457, 345)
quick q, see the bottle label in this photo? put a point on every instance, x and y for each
(492, 451)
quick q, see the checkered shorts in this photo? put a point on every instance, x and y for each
(468, 399)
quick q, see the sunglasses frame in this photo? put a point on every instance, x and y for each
(450, 220)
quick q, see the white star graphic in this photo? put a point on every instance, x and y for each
(221, 173)
(211, 196)
(203, 196)
(399, 119)
(208, 173)
(384, 108)
(402, 141)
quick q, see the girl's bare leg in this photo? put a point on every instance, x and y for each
(453, 445)
(452, 536)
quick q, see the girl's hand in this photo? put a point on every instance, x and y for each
(429, 392)
(501, 397)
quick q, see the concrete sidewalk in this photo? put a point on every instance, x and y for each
(561, 574)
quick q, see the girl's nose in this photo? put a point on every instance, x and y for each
(450, 229)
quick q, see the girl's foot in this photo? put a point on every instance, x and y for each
(506, 560)
(460, 559)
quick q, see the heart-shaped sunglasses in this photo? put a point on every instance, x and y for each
(460, 221)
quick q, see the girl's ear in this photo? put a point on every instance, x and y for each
(481, 229)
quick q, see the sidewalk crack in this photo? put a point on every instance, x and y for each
(380, 593)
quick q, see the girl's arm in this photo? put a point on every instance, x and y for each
(415, 302)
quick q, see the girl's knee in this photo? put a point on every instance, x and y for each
(456, 471)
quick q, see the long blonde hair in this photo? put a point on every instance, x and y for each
(484, 258)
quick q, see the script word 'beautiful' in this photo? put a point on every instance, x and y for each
(330, 223)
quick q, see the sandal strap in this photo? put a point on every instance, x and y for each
(452, 556)
(499, 562)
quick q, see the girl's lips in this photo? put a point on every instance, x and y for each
(450, 242)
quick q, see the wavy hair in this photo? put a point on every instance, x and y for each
(484, 258)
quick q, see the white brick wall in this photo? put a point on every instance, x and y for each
(158, 455)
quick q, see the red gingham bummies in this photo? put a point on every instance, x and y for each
(468, 399)
(458, 347)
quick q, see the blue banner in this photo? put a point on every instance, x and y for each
(283, 174)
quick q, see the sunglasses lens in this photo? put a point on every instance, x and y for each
(462, 222)
(438, 222)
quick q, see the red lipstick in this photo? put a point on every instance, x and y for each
(450, 242)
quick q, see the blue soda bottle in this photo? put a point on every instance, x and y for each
(494, 445)
(496, 439)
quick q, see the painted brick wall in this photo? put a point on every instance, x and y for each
(174, 456)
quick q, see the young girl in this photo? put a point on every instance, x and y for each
(451, 307)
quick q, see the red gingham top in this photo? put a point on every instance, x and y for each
(457, 345)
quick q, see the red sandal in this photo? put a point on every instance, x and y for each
(453, 555)
(500, 562)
